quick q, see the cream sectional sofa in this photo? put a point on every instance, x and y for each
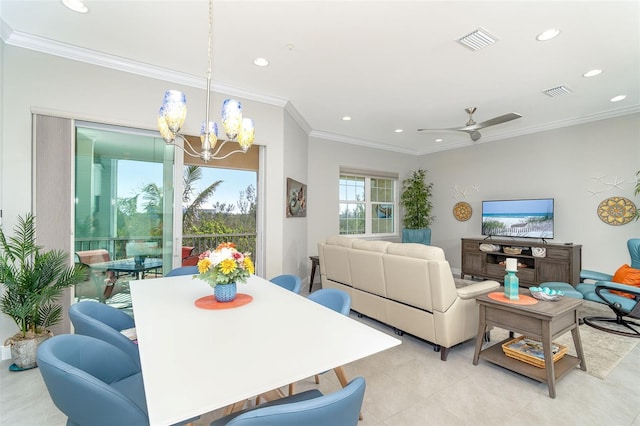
(407, 286)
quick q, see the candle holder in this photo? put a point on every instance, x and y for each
(511, 282)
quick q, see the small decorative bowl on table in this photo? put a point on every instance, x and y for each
(546, 293)
(520, 265)
(512, 250)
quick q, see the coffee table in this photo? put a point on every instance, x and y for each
(543, 321)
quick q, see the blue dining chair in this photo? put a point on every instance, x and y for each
(104, 322)
(339, 301)
(288, 281)
(182, 270)
(93, 382)
(310, 408)
(332, 298)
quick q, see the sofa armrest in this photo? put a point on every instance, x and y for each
(473, 290)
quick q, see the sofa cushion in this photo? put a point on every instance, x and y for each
(367, 271)
(407, 281)
(339, 240)
(416, 250)
(377, 246)
(626, 275)
(338, 257)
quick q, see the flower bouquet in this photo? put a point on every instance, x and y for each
(225, 265)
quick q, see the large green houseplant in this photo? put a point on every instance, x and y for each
(416, 200)
(33, 281)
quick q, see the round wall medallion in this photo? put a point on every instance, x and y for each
(616, 211)
(462, 211)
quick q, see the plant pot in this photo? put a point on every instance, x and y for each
(23, 350)
(225, 292)
(422, 236)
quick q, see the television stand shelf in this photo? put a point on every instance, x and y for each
(561, 262)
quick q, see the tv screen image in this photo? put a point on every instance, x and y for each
(518, 218)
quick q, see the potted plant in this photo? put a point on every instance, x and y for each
(415, 199)
(33, 282)
(223, 268)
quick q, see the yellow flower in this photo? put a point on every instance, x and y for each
(248, 264)
(203, 265)
(227, 266)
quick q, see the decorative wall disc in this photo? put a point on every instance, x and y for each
(616, 211)
(462, 211)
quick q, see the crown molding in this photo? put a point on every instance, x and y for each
(43, 45)
(298, 118)
(360, 142)
(75, 53)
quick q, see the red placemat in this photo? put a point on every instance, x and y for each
(210, 302)
(523, 300)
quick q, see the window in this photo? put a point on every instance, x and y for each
(367, 204)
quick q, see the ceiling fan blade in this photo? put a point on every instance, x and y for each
(497, 120)
(472, 129)
(474, 134)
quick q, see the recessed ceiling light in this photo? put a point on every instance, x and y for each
(261, 62)
(618, 98)
(75, 5)
(398, 130)
(592, 73)
(346, 118)
(439, 140)
(548, 35)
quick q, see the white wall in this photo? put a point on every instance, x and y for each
(294, 251)
(325, 159)
(562, 164)
(35, 81)
(2, 100)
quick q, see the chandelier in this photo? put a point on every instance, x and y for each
(174, 111)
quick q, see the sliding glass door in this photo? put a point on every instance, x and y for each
(124, 204)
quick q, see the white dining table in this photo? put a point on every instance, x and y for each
(197, 360)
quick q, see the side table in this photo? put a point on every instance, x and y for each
(315, 262)
(543, 321)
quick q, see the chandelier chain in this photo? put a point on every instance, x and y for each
(210, 36)
(174, 109)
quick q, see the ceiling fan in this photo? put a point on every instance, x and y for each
(472, 127)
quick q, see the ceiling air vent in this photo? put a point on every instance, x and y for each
(478, 39)
(557, 91)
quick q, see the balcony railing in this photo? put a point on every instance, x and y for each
(245, 242)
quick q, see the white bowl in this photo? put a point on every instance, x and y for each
(541, 295)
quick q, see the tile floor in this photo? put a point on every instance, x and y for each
(409, 385)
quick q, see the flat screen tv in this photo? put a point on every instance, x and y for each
(518, 218)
